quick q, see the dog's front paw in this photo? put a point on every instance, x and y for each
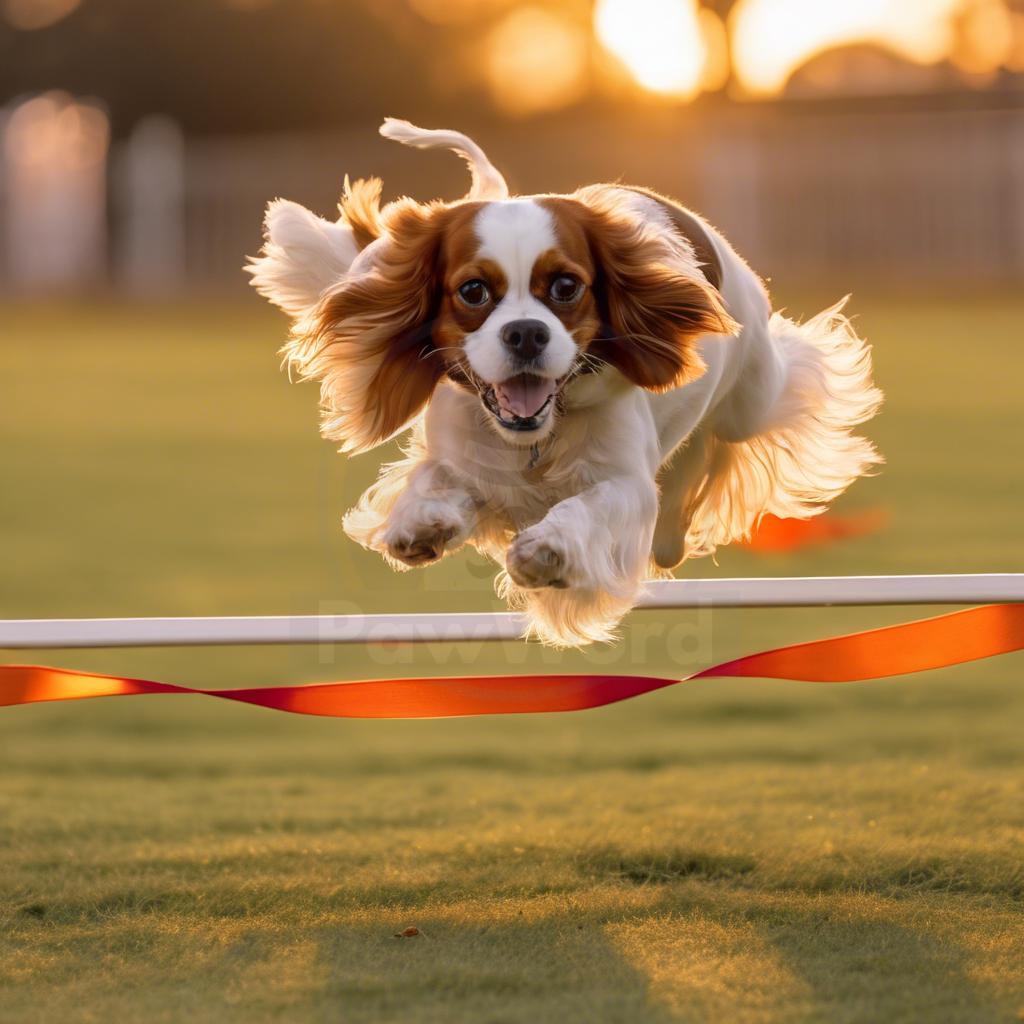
(420, 534)
(535, 561)
(419, 545)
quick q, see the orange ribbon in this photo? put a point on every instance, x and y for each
(779, 536)
(911, 647)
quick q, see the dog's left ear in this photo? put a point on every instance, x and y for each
(369, 340)
(654, 305)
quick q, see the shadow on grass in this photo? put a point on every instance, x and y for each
(864, 969)
(677, 936)
(531, 969)
(691, 956)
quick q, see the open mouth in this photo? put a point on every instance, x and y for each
(522, 402)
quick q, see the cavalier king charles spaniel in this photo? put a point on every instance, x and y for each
(595, 383)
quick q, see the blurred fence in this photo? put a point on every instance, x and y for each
(811, 196)
(930, 196)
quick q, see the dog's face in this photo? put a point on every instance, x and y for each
(518, 310)
(512, 298)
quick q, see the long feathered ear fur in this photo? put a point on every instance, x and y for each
(368, 340)
(304, 255)
(653, 299)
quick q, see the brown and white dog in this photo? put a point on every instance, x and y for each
(596, 385)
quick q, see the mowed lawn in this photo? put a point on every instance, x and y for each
(724, 851)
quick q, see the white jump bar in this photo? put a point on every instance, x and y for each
(793, 592)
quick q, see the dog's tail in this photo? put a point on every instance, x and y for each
(805, 455)
(304, 255)
(487, 180)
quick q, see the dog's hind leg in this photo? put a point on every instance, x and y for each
(679, 482)
(794, 456)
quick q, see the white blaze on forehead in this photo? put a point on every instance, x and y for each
(513, 233)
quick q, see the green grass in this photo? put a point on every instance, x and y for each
(728, 851)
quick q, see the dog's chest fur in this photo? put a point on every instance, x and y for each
(517, 485)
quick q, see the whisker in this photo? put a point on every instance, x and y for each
(441, 348)
(471, 377)
(585, 359)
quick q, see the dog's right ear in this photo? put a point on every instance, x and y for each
(304, 255)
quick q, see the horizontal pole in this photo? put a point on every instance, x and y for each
(793, 592)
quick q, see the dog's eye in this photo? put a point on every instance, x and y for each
(474, 293)
(566, 289)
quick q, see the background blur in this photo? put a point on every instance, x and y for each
(839, 141)
(155, 460)
(729, 851)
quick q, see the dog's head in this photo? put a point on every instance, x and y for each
(513, 298)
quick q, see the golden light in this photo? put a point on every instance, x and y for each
(986, 37)
(1015, 56)
(535, 60)
(662, 43)
(772, 38)
(717, 64)
(32, 14)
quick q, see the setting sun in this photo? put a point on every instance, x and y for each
(661, 42)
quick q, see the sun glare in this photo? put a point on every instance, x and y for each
(772, 38)
(662, 42)
(537, 57)
(535, 60)
(987, 35)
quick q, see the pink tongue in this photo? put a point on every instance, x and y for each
(524, 396)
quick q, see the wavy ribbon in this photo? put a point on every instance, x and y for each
(878, 653)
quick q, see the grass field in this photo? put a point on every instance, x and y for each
(732, 851)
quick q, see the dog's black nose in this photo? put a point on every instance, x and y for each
(525, 338)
